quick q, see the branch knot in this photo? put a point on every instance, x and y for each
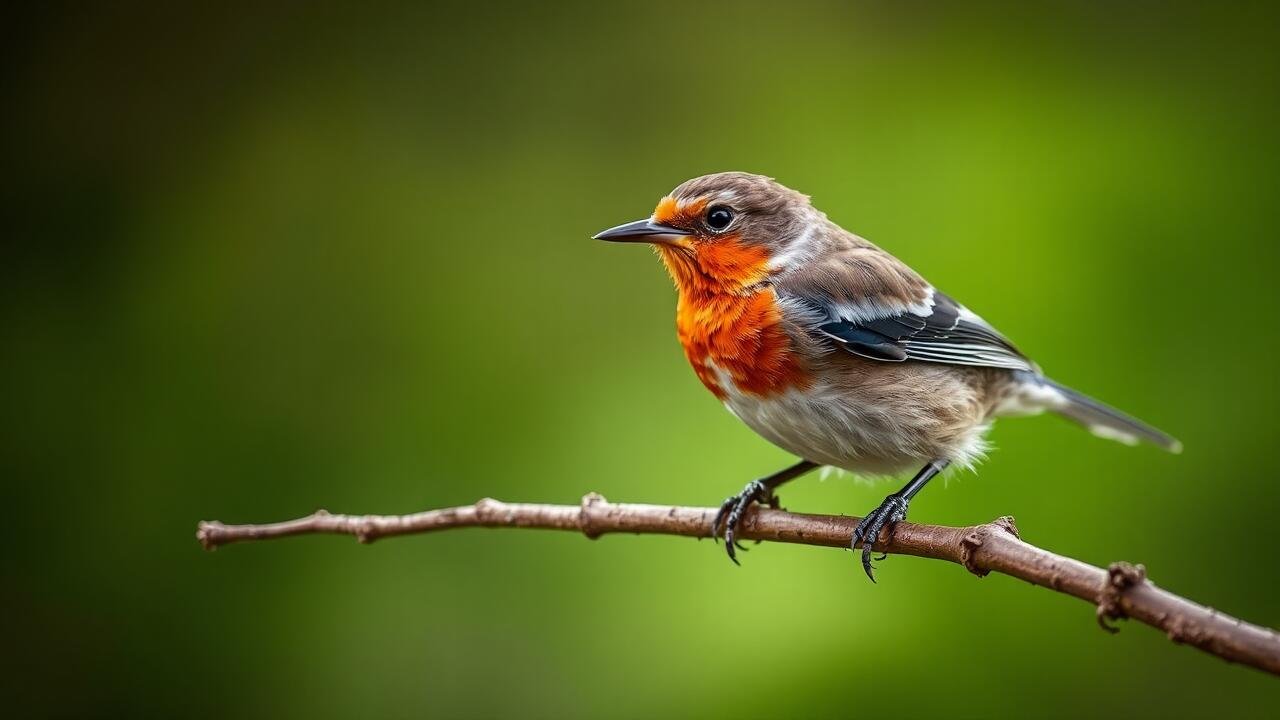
(969, 545)
(591, 503)
(1121, 576)
(1006, 523)
(488, 510)
(976, 536)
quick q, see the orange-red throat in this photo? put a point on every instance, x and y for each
(707, 263)
(727, 318)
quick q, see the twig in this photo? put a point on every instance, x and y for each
(1121, 591)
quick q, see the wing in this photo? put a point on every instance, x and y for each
(948, 333)
(874, 306)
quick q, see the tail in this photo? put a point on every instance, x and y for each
(1105, 421)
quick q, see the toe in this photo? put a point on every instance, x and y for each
(729, 517)
(716, 522)
(866, 562)
(857, 535)
(730, 546)
(890, 512)
(868, 540)
(864, 535)
(735, 517)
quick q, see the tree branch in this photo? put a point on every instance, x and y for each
(1121, 591)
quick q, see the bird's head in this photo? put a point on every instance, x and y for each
(726, 232)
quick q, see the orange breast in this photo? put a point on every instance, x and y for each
(741, 336)
(728, 321)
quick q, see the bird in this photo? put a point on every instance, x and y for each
(836, 351)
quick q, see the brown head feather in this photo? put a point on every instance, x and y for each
(776, 235)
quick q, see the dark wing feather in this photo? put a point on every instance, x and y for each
(865, 342)
(942, 336)
(873, 305)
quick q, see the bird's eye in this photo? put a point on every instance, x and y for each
(719, 217)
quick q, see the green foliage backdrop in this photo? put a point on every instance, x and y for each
(260, 261)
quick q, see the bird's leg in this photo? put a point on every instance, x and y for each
(890, 512)
(733, 508)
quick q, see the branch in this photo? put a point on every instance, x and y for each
(1121, 591)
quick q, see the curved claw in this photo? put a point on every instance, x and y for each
(731, 545)
(889, 513)
(869, 539)
(729, 542)
(872, 534)
(732, 511)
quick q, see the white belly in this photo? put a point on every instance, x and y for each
(853, 432)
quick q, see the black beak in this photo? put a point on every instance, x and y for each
(642, 231)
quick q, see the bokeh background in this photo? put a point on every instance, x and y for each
(259, 260)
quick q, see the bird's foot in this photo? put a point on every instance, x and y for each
(890, 512)
(733, 508)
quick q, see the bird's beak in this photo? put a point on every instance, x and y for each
(644, 231)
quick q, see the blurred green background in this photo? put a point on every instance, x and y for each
(263, 260)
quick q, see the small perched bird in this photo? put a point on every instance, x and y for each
(836, 351)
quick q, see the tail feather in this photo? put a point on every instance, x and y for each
(1107, 422)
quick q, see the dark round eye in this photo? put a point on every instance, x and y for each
(719, 217)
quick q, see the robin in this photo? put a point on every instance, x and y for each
(836, 351)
